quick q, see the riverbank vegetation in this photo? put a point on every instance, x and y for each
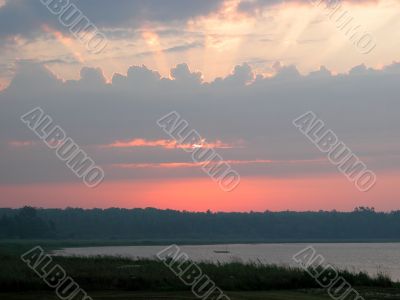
(150, 224)
(119, 275)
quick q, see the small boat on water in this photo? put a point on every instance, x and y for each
(223, 250)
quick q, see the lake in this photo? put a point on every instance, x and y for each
(369, 257)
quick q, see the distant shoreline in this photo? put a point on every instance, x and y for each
(66, 243)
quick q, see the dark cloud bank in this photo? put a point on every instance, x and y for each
(361, 107)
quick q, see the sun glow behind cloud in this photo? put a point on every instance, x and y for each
(68, 42)
(225, 31)
(153, 42)
(167, 144)
(293, 32)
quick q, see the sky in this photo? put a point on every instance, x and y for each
(238, 71)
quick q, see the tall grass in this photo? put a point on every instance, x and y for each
(119, 273)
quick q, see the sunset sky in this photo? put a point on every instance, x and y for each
(239, 71)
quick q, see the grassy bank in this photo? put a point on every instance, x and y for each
(106, 295)
(386, 294)
(116, 277)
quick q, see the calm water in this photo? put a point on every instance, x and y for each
(370, 257)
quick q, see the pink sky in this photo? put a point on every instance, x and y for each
(257, 194)
(239, 71)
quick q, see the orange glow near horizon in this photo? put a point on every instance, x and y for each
(200, 194)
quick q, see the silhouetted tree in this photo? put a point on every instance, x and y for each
(153, 224)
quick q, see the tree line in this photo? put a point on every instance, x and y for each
(150, 224)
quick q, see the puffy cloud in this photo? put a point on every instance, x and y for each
(136, 76)
(92, 76)
(241, 75)
(182, 73)
(361, 107)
